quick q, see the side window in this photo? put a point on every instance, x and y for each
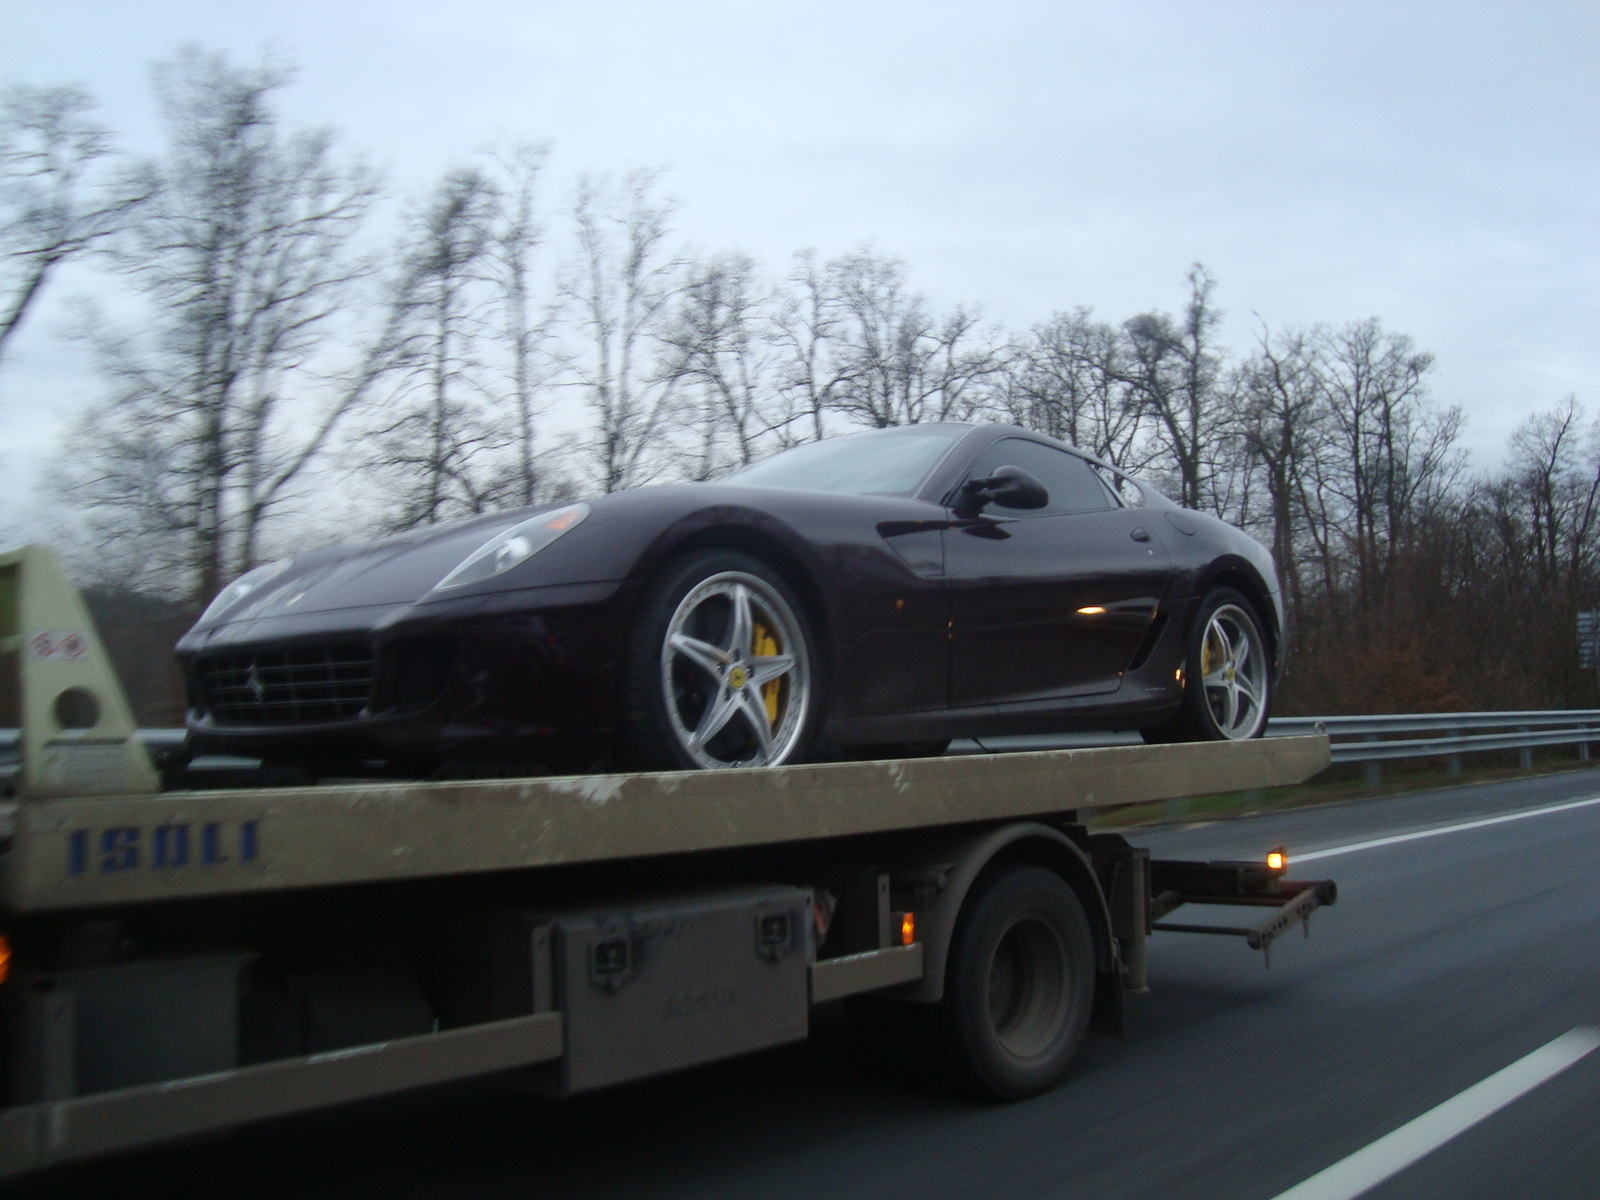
(1124, 488)
(1070, 480)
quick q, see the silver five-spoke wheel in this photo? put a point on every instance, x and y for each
(1234, 673)
(735, 673)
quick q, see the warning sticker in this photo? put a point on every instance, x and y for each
(55, 646)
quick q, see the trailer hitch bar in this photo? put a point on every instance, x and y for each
(1238, 885)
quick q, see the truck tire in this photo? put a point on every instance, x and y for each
(1019, 985)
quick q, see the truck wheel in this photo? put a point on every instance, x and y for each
(1019, 985)
(720, 669)
(1227, 673)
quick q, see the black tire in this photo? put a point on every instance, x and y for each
(1202, 715)
(1019, 985)
(649, 735)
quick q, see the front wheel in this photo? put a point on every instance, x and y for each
(720, 669)
(1227, 691)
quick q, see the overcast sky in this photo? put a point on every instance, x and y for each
(1434, 165)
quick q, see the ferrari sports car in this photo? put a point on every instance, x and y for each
(869, 595)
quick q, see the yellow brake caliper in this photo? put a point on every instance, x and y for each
(762, 645)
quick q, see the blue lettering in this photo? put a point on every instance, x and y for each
(119, 849)
(210, 844)
(170, 846)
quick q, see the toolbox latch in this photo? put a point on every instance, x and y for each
(610, 961)
(774, 934)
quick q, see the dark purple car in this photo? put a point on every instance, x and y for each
(873, 594)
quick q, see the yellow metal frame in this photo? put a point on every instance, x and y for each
(77, 728)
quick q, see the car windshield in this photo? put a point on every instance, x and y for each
(858, 465)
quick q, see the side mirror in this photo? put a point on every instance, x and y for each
(1009, 487)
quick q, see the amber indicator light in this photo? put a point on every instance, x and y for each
(5, 957)
(1277, 860)
(908, 929)
(562, 520)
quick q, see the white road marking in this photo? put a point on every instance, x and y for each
(1295, 859)
(1396, 1151)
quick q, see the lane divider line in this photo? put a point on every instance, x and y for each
(1461, 827)
(1396, 1151)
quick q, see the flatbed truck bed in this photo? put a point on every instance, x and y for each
(77, 853)
(181, 962)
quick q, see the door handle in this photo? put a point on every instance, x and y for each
(1140, 534)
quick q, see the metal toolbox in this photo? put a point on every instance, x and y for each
(676, 982)
(95, 1029)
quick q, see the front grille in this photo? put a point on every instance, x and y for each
(303, 686)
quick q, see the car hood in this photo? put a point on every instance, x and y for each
(397, 571)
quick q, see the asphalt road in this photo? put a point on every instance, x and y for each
(1446, 959)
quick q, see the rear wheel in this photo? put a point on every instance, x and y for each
(1019, 985)
(1227, 691)
(720, 668)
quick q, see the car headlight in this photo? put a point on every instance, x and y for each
(512, 546)
(250, 581)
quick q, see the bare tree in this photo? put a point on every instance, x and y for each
(526, 324)
(1175, 367)
(879, 340)
(1393, 453)
(436, 426)
(1282, 424)
(55, 203)
(621, 290)
(901, 366)
(1068, 379)
(1549, 499)
(806, 327)
(243, 258)
(721, 356)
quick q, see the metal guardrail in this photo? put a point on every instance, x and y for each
(1377, 739)
(1434, 722)
(1463, 734)
(1355, 739)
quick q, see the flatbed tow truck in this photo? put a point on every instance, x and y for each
(182, 961)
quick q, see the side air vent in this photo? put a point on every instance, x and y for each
(421, 666)
(1151, 637)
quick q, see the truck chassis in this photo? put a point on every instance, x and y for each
(191, 960)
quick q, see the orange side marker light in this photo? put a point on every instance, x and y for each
(908, 929)
(5, 957)
(1277, 860)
